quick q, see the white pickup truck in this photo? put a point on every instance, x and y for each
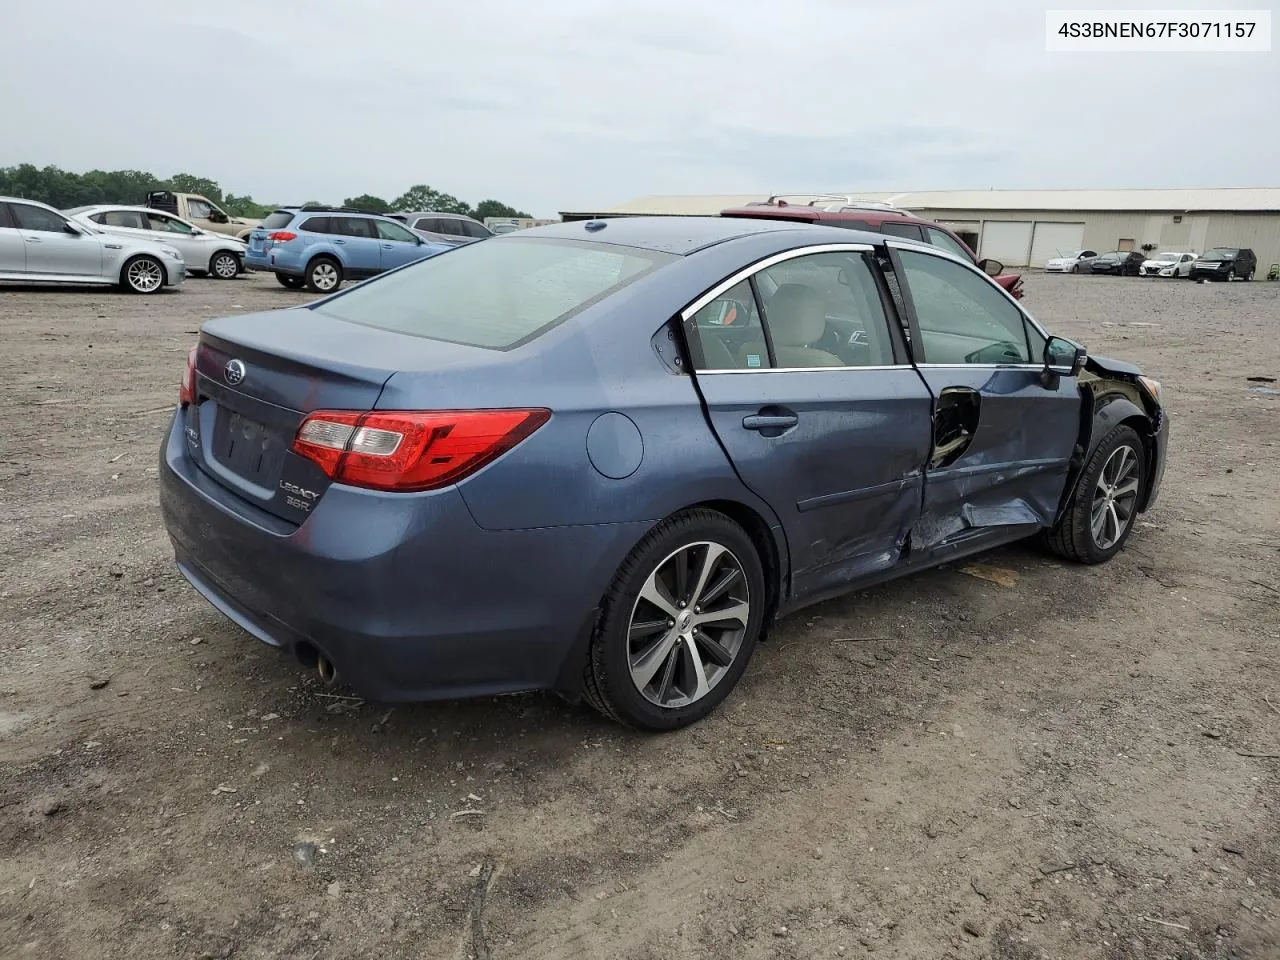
(201, 211)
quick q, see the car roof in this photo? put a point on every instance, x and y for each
(38, 203)
(126, 206)
(686, 235)
(435, 213)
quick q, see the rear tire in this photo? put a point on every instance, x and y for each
(224, 265)
(1248, 277)
(293, 283)
(142, 275)
(678, 624)
(1104, 508)
(324, 275)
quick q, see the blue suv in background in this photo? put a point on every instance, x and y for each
(319, 247)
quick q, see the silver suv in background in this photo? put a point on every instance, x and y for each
(215, 254)
(40, 245)
(454, 229)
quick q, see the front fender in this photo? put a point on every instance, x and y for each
(1103, 414)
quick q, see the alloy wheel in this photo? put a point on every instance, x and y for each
(1115, 498)
(324, 276)
(145, 276)
(225, 266)
(688, 624)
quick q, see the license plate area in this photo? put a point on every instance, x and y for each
(248, 448)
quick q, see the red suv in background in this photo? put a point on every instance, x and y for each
(878, 218)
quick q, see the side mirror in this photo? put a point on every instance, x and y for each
(217, 216)
(992, 268)
(1062, 358)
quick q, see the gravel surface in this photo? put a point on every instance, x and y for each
(1058, 761)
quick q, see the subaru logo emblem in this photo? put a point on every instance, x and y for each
(233, 372)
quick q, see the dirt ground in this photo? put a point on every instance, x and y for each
(1058, 762)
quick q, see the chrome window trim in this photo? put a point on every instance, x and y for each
(746, 272)
(841, 369)
(925, 248)
(897, 366)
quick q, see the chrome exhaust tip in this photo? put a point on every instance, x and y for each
(324, 667)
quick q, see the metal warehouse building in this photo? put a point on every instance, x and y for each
(1026, 227)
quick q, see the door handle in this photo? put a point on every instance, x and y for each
(33, 240)
(339, 241)
(387, 246)
(763, 421)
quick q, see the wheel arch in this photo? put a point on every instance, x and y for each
(1100, 415)
(770, 545)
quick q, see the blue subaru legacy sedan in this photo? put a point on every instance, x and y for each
(600, 458)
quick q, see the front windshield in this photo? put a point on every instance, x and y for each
(1166, 257)
(1219, 255)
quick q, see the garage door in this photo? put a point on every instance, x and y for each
(1055, 240)
(1008, 241)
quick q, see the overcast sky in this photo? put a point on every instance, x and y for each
(577, 104)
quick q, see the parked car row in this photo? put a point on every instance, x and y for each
(39, 244)
(144, 249)
(1220, 263)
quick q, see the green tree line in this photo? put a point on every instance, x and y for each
(64, 189)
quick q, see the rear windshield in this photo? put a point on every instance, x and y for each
(498, 294)
(277, 220)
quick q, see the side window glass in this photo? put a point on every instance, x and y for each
(317, 225)
(167, 224)
(198, 209)
(908, 231)
(352, 227)
(726, 333)
(940, 239)
(824, 310)
(123, 218)
(393, 231)
(963, 317)
(5, 222)
(37, 219)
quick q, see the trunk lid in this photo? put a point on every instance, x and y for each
(257, 377)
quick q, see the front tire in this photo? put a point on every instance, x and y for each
(224, 265)
(1104, 507)
(293, 283)
(143, 275)
(324, 275)
(678, 624)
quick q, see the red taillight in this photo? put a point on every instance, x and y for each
(409, 450)
(187, 392)
(282, 236)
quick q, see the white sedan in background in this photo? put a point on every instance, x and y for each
(1072, 262)
(1168, 264)
(215, 254)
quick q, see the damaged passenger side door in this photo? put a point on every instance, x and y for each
(1003, 435)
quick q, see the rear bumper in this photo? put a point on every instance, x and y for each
(405, 594)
